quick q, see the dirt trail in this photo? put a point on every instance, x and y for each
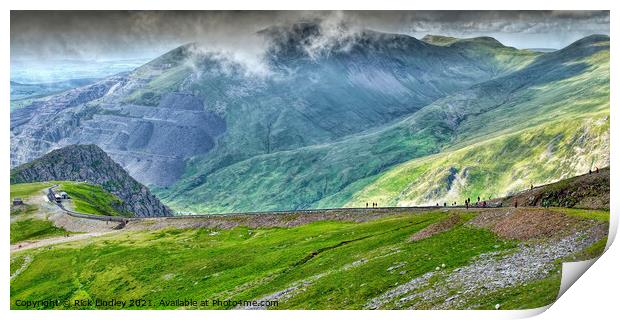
(31, 244)
(25, 264)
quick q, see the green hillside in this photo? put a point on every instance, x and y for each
(567, 134)
(494, 168)
(93, 199)
(558, 94)
(376, 262)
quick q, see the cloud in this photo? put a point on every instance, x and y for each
(93, 35)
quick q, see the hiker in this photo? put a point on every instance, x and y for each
(515, 203)
(478, 198)
(484, 204)
(596, 169)
(590, 171)
(466, 204)
(531, 187)
(366, 205)
(444, 204)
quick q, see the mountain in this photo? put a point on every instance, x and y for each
(176, 107)
(549, 121)
(88, 163)
(566, 95)
(327, 119)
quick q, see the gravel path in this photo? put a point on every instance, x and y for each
(488, 273)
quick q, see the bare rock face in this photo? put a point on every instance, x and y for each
(91, 164)
(150, 142)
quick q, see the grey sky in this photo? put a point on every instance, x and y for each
(103, 35)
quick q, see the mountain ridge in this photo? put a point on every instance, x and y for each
(303, 113)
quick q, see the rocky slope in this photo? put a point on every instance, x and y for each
(587, 191)
(91, 164)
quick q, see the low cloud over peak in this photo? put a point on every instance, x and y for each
(89, 35)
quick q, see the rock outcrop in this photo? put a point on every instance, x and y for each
(91, 164)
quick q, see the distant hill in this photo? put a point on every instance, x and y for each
(545, 50)
(22, 94)
(88, 163)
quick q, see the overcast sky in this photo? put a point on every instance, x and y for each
(109, 35)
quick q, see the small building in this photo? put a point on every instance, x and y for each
(18, 201)
(57, 197)
(64, 195)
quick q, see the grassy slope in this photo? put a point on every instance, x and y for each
(568, 134)
(25, 224)
(496, 167)
(249, 264)
(244, 263)
(26, 190)
(88, 198)
(85, 197)
(32, 229)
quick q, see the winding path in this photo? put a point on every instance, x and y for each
(32, 244)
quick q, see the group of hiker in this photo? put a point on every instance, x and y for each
(478, 203)
(374, 205)
(482, 203)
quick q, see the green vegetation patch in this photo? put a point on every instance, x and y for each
(600, 215)
(17, 262)
(591, 252)
(30, 229)
(93, 199)
(25, 190)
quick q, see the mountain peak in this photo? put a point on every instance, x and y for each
(88, 162)
(315, 38)
(439, 40)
